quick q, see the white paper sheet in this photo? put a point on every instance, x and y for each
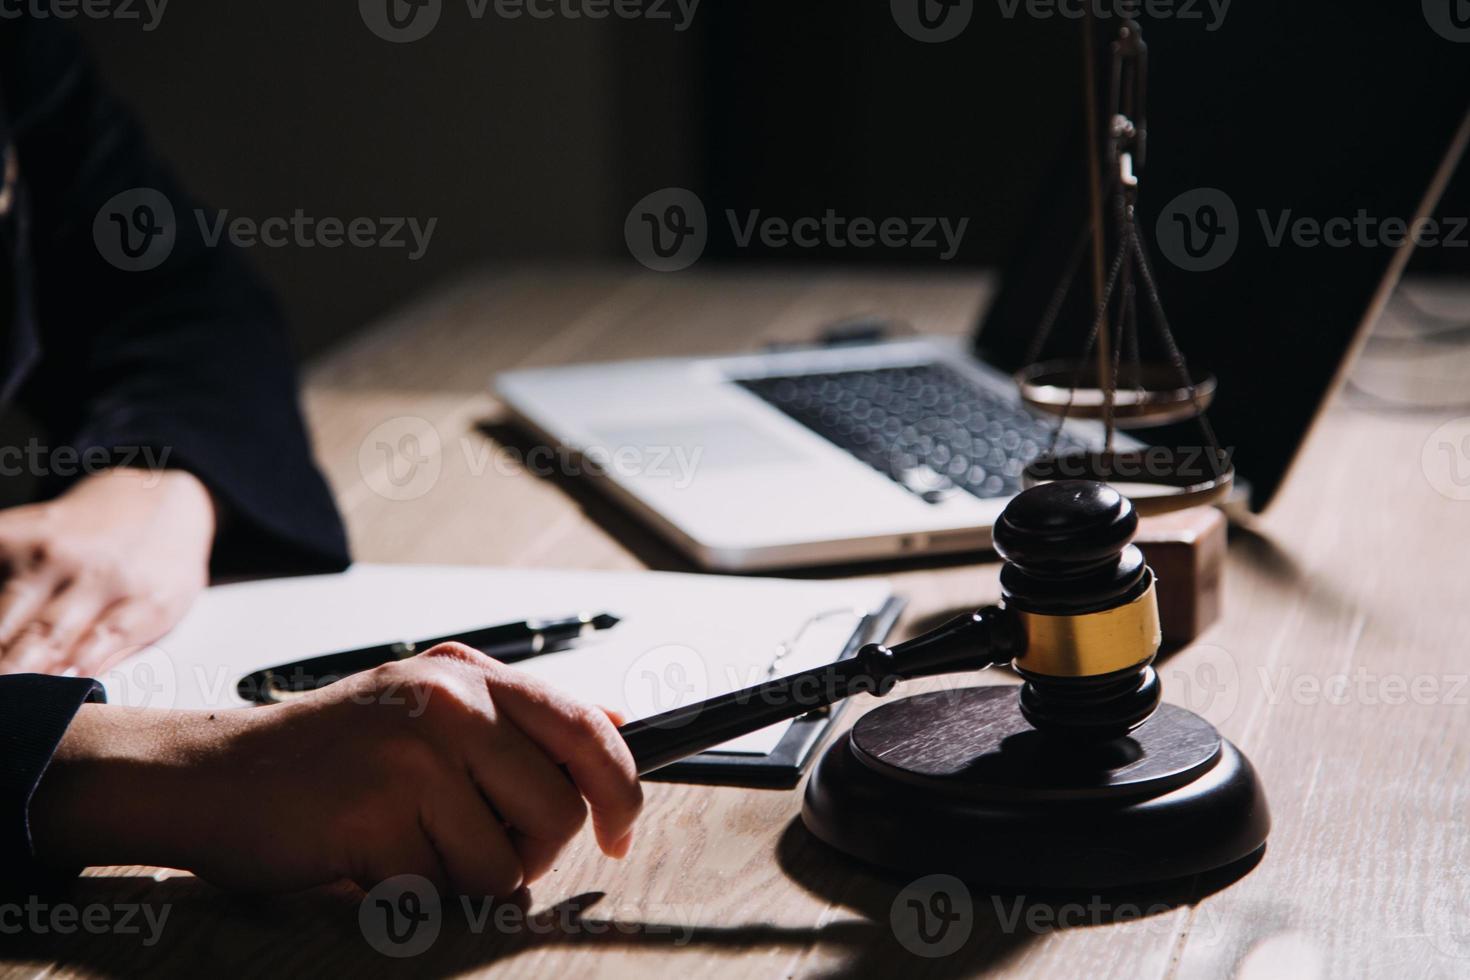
(682, 637)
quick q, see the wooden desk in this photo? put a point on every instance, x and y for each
(1339, 668)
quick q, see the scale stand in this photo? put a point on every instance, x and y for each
(1123, 393)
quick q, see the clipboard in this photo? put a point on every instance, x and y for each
(784, 766)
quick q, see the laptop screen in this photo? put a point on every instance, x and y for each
(1288, 150)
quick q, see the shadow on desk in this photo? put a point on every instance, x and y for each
(185, 923)
(948, 928)
(125, 926)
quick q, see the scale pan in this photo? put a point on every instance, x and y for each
(1146, 395)
(1158, 480)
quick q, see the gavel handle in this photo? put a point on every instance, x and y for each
(969, 642)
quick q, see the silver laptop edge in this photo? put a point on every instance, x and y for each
(731, 480)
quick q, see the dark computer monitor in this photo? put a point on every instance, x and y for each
(1288, 117)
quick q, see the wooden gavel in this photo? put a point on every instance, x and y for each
(1079, 622)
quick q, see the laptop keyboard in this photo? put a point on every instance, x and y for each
(928, 428)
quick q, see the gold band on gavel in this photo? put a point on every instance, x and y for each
(1092, 643)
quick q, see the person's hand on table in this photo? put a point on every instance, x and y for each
(449, 765)
(111, 564)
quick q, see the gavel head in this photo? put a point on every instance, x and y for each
(1084, 599)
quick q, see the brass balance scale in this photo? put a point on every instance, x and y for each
(1109, 380)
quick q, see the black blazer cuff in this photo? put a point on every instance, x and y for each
(35, 712)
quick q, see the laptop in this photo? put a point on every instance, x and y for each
(1273, 196)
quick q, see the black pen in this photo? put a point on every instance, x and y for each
(509, 642)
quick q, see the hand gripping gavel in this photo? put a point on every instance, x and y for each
(1079, 622)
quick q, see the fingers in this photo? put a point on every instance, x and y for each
(48, 641)
(405, 854)
(98, 644)
(62, 622)
(32, 652)
(122, 626)
(20, 600)
(477, 853)
(533, 796)
(584, 740)
(538, 855)
(506, 771)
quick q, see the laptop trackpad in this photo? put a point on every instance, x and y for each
(716, 443)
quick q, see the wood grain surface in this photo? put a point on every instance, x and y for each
(1339, 666)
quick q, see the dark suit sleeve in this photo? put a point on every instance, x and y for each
(188, 358)
(35, 711)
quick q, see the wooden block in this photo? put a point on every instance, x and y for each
(1186, 550)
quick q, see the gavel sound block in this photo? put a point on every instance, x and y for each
(1078, 778)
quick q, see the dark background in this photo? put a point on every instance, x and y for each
(530, 140)
(523, 138)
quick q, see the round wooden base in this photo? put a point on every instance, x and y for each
(958, 782)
